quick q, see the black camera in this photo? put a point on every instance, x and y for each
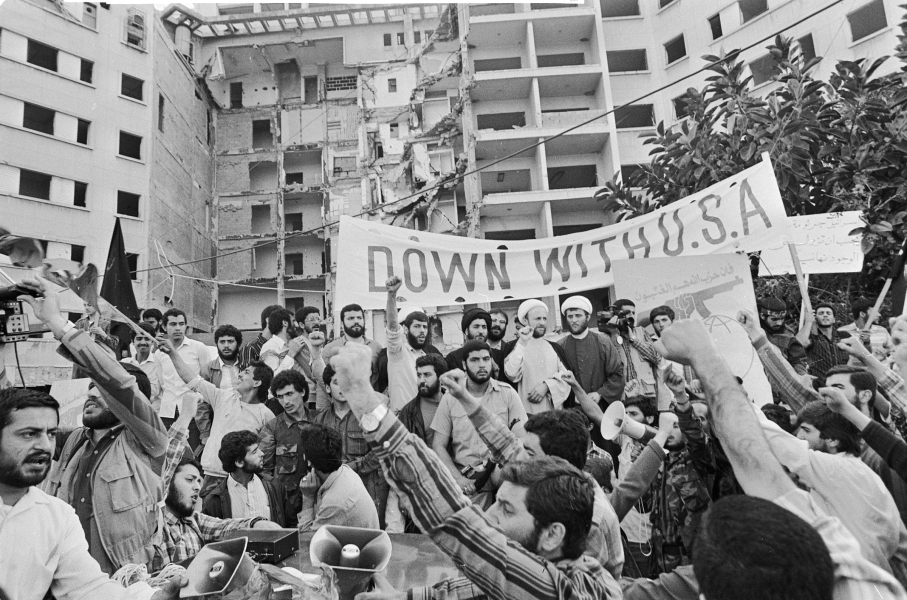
(625, 320)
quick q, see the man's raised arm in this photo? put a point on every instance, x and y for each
(208, 390)
(781, 374)
(501, 569)
(124, 399)
(760, 474)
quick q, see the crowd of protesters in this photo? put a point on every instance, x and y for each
(495, 450)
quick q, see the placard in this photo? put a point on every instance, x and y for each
(708, 288)
(824, 245)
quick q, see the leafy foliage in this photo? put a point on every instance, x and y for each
(835, 145)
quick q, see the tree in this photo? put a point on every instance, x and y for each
(835, 145)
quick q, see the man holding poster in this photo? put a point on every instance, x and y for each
(710, 289)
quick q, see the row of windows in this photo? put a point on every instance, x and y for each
(864, 22)
(38, 118)
(400, 38)
(34, 184)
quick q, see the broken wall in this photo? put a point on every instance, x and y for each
(180, 208)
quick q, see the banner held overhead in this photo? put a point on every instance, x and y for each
(733, 215)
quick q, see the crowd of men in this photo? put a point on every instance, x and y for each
(495, 450)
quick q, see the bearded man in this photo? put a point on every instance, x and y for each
(534, 364)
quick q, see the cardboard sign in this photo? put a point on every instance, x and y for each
(824, 245)
(439, 269)
(709, 288)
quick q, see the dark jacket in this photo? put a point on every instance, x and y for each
(217, 502)
(411, 417)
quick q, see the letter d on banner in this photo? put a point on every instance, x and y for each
(388, 263)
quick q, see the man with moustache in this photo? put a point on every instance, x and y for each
(591, 356)
(417, 417)
(308, 321)
(352, 319)
(286, 350)
(143, 358)
(281, 438)
(43, 546)
(194, 353)
(533, 363)
(186, 531)
(476, 325)
(246, 491)
(470, 464)
(498, 329)
(222, 372)
(402, 354)
(108, 469)
(820, 337)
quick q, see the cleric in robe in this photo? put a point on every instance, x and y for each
(534, 364)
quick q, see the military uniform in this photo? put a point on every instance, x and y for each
(281, 445)
(681, 498)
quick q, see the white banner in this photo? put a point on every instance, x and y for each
(442, 269)
(824, 245)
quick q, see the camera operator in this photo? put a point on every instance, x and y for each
(641, 361)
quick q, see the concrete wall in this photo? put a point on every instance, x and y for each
(181, 212)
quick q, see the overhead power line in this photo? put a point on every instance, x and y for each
(731, 56)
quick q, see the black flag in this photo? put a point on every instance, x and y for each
(117, 289)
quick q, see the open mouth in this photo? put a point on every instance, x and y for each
(38, 461)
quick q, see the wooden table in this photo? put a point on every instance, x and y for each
(415, 561)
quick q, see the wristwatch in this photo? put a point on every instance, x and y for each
(370, 421)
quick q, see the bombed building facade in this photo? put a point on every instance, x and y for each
(333, 110)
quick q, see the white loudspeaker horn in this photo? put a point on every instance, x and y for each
(334, 545)
(616, 422)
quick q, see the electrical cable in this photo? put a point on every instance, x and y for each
(18, 365)
(732, 55)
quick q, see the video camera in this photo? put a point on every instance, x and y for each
(625, 320)
(14, 325)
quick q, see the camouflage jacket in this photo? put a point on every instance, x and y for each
(681, 496)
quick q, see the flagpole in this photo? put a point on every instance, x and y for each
(893, 273)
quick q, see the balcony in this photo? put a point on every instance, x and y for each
(512, 84)
(527, 203)
(588, 139)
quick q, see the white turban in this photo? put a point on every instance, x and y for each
(528, 305)
(580, 302)
(407, 310)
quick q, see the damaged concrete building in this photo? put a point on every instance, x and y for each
(328, 110)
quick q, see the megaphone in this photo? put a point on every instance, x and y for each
(332, 546)
(616, 422)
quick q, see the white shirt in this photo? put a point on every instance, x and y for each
(43, 547)
(194, 354)
(152, 369)
(247, 502)
(274, 354)
(229, 375)
(844, 487)
(402, 384)
(230, 414)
